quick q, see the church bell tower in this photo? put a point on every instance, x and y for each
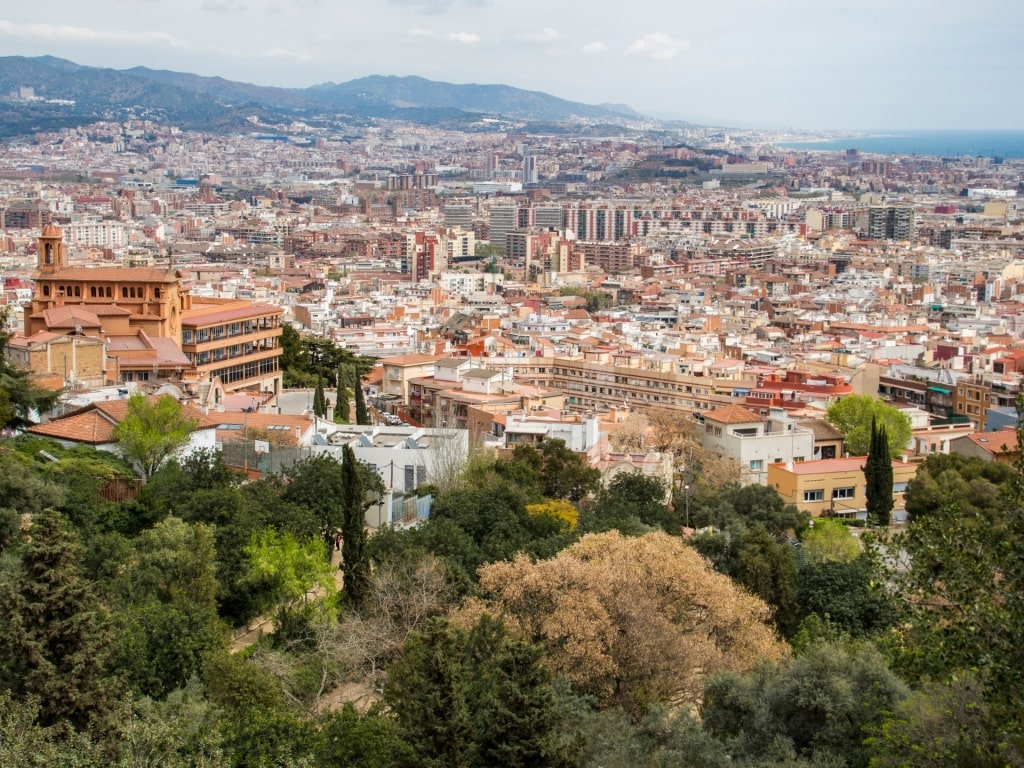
(53, 254)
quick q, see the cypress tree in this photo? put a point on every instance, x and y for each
(341, 411)
(878, 476)
(319, 403)
(362, 416)
(354, 560)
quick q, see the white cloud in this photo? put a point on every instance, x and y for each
(658, 46)
(466, 38)
(68, 33)
(595, 48)
(284, 53)
(546, 35)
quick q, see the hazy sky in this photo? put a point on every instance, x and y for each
(799, 63)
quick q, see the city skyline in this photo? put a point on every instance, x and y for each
(795, 64)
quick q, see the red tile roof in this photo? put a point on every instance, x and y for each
(732, 414)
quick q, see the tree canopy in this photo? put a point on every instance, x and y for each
(853, 415)
(630, 621)
(152, 431)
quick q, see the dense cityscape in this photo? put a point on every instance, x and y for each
(623, 442)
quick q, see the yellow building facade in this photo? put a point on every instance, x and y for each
(833, 486)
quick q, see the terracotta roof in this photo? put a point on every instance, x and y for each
(997, 443)
(69, 317)
(732, 414)
(414, 359)
(116, 274)
(210, 315)
(91, 428)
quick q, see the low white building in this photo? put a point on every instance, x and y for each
(756, 441)
(404, 458)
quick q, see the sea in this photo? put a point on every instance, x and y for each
(1003, 144)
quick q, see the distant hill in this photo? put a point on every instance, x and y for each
(213, 103)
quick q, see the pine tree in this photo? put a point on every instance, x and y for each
(362, 416)
(319, 403)
(353, 532)
(55, 640)
(878, 477)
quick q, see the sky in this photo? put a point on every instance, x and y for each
(809, 64)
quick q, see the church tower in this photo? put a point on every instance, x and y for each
(53, 253)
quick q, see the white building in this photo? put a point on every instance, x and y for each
(756, 441)
(404, 458)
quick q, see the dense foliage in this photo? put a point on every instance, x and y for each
(540, 617)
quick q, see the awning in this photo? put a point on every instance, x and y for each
(940, 390)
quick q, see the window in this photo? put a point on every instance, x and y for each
(92, 291)
(124, 292)
(843, 493)
(156, 293)
(899, 487)
(756, 465)
(815, 495)
(46, 290)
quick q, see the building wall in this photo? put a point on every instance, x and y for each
(237, 342)
(833, 486)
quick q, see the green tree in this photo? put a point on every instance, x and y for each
(319, 403)
(342, 406)
(963, 593)
(23, 492)
(631, 502)
(259, 728)
(878, 476)
(362, 416)
(153, 431)
(167, 595)
(944, 725)
(348, 739)
(853, 416)
(829, 539)
(55, 637)
(293, 568)
(24, 742)
(851, 595)
(354, 560)
(827, 702)
(563, 473)
(20, 398)
(476, 697)
(976, 486)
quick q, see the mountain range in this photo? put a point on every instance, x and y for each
(67, 93)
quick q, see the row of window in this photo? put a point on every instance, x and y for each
(216, 332)
(102, 291)
(243, 371)
(850, 492)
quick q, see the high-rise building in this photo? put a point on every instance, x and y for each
(530, 173)
(891, 222)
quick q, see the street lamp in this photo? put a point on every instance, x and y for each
(686, 501)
